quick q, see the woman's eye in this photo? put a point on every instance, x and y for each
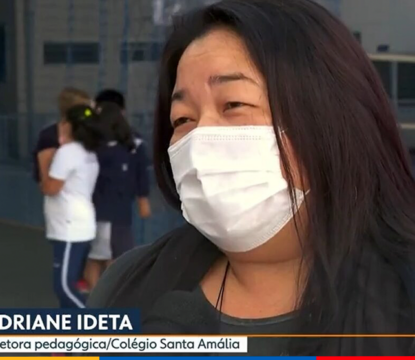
(180, 121)
(233, 105)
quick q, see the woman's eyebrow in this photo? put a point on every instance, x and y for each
(225, 78)
(180, 94)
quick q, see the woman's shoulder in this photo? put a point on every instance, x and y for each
(135, 264)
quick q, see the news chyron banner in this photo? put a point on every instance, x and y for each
(109, 331)
(223, 357)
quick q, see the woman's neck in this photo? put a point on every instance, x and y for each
(256, 289)
(65, 139)
(269, 289)
(252, 276)
(263, 282)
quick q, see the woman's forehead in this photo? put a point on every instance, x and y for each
(219, 52)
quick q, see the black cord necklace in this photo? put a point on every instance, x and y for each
(219, 301)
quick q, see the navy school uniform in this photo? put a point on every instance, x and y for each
(48, 139)
(123, 178)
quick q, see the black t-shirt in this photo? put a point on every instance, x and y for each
(284, 324)
(179, 260)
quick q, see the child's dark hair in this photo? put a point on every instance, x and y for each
(112, 96)
(86, 127)
(115, 125)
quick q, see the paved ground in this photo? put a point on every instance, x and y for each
(25, 268)
(25, 271)
(25, 255)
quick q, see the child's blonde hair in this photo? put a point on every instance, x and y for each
(70, 97)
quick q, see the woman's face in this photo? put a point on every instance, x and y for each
(218, 85)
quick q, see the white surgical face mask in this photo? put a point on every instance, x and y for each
(231, 186)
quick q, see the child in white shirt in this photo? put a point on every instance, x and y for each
(68, 184)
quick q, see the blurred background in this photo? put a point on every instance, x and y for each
(46, 45)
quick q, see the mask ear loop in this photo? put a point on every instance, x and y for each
(281, 133)
(305, 192)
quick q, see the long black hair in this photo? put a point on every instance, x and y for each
(324, 91)
(116, 125)
(86, 128)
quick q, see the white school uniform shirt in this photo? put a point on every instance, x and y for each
(70, 214)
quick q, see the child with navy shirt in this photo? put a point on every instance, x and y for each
(123, 178)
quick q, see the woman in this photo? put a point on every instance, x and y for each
(68, 183)
(48, 140)
(285, 157)
(122, 178)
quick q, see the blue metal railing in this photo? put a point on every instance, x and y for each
(103, 38)
(69, 52)
(125, 48)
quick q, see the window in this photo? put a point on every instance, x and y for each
(141, 51)
(54, 53)
(406, 81)
(358, 36)
(383, 48)
(2, 53)
(71, 53)
(384, 69)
